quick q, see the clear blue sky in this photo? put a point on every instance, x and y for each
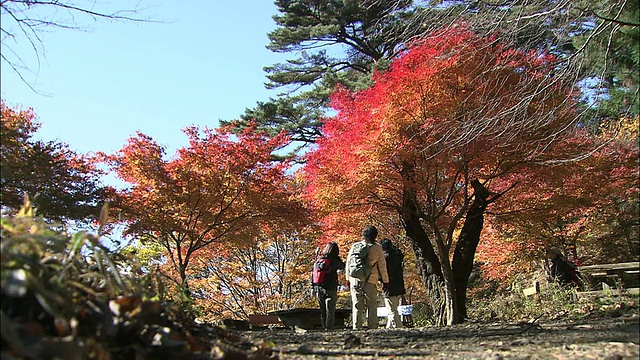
(202, 64)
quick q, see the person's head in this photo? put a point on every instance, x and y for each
(370, 233)
(386, 244)
(331, 249)
(553, 253)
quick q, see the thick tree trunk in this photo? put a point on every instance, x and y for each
(427, 262)
(466, 247)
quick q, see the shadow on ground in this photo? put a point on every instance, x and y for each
(587, 339)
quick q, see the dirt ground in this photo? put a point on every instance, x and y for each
(609, 339)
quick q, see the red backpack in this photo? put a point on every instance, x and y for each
(321, 269)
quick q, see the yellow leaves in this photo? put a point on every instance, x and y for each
(26, 210)
(623, 128)
(268, 273)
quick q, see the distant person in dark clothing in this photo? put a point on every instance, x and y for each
(327, 291)
(393, 293)
(561, 270)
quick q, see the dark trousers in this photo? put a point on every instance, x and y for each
(327, 300)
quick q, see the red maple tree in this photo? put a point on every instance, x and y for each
(434, 142)
(588, 208)
(216, 192)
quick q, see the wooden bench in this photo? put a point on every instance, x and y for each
(609, 292)
(620, 275)
(602, 280)
(307, 318)
(259, 319)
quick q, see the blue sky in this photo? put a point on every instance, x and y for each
(202, 63)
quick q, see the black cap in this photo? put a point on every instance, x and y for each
(385, 243)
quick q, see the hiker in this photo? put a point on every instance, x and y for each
(394, 292)
(325, 283)
(366, 266)
(562, 271)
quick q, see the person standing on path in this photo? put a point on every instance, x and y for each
(327, 291)
(561, 270)
(393, 293)
(364, 292)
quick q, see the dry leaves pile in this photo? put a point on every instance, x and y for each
(68, 297)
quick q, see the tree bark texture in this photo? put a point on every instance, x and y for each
(466, 247)
(427, 262)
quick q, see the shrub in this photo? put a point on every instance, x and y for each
(56, 285)
(510, 303)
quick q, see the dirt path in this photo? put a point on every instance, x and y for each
(589, 339)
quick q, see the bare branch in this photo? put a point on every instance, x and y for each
(26, 20)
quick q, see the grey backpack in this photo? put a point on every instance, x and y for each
(358, 265)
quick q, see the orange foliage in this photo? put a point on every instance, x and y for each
(590, 204)
(270, 274)
(215, 196)
(62, 185)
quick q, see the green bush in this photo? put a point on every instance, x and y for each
(422, 315)
(68, 296)
(55, 269)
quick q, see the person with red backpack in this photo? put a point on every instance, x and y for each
(324, 279)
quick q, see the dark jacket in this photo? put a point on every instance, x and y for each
(394, 258)
(331, 280)
(560, 271)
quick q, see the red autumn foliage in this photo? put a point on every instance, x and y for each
(444, 132)
(217, 191)
(587, 207)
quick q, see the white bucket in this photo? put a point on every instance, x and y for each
(405, 310)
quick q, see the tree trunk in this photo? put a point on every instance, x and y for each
(184, 285)
(466, 247)
(427, 262)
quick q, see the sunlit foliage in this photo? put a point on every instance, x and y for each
(214, 195)
(435, 141)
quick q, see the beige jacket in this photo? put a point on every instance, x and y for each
(378, 264)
